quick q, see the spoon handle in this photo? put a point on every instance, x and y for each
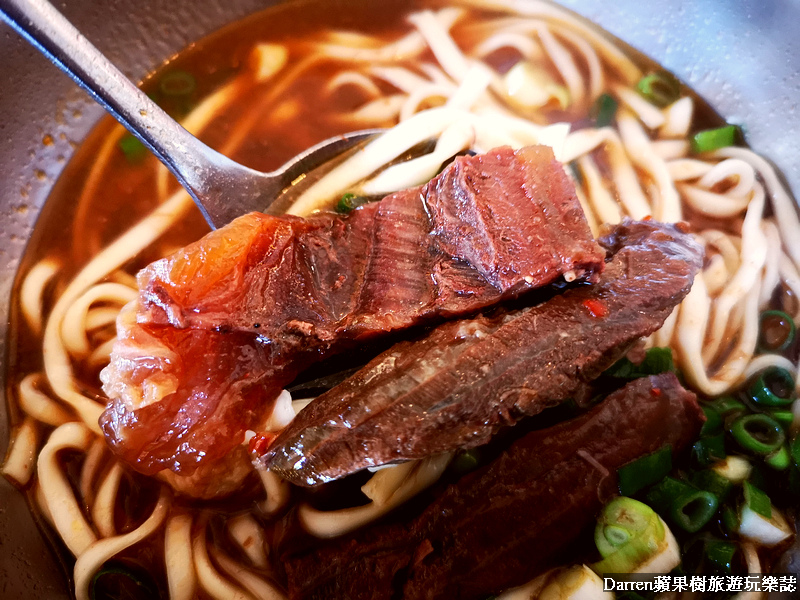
(190, 160)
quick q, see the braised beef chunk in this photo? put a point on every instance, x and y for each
(458, 385)
(222, 325)
(487, 228)
(509, 521)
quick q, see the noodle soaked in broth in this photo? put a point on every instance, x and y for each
(473, 76)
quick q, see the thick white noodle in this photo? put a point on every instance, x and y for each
(103, 506)
(58, 366)
(31, 292)
(772, 275)
(209, 579)
(670, 150)
(677, 119)
(68, 517)
(600, 199)
(754, 253)
(436, 34)
(260, 588)
(782, 203)
(277, 491)
(249, 536)
(415, 477)
(100, 551)
(380, 151)
(39, 405)
(73, 328)
(459, 136)
(181, 578)
(93, 462)
(21, 459)
(638, 146)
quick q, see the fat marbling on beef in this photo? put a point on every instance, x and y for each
(456, 386)
(504, 524)
(221, 326)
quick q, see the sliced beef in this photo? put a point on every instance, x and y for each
(486, 229)
(458, 385)
(221, 326)
(511, 520)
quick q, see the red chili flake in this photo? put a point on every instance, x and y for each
(596, 308)
(261, 441)
(656, 392)
(648, 218)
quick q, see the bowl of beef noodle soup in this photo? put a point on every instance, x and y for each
(539, 330)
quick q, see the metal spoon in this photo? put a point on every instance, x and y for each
(221, 188)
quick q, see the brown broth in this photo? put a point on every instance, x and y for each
(75, 231)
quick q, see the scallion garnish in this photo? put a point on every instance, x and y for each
(645, 471)
(726, 405)
(350, 202)
(714, 139)
(713, 424)
(779, 460)
(721, 554)
(773, 387)
(660, 88)
(177, 83)
(713, 482)
(465, 462)
(693, 509)
(708, 450)
(116, 580)
(656, 360)
(134, 150)
(604, 110)
(784, 417)
(757, 501)
(758, 433)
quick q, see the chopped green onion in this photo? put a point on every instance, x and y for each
(773, 387)
(713, 424)
(134, 150)
(726, 405)
(729, 520)
(661, 495)
(776, 332)
(116, 580)
(350, 202)
(784, 417)
(758, 433)
(757, 501)
(794, 450)
(709, 450)
(465, 462)
(628, 535)
(721, 554)
(714, 139)
(604, 110)
(693, 509)
(645, 471)
(177, 83)
(660, 88)
(778, 460)
(621, 521)
(656, 360)
(711, 481)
